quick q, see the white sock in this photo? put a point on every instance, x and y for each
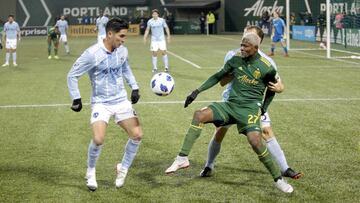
(7, 57)
(67, 49)
(93, 154)
(14, 57)
(166, 61)
(213, 151)
(277, 153)
(154, 62)
(131, 148)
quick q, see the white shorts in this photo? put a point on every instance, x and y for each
(264, 121)
(101, 37)
(158, 45)
(63, 38)
(120, 111)
(11, 43)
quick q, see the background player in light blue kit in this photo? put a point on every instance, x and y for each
(157, 25)
(107, 66)
(63, 27)
(278, 34)
(12, 35)
(100, 26)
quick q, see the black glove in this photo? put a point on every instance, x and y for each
(1, 46)
(191, 98)
(135, 96)
(76, 105)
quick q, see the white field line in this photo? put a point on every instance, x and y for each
(183, 59)
(180, 102)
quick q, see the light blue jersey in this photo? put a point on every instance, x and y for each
(279, 26)
(157, 29)
(232, 53)
(106, 72)
(101, 25)
(11, 30)
(63, 26)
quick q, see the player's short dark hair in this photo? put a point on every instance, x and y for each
(259, 31)
(116, 24)
(10, 16)
(155, 10)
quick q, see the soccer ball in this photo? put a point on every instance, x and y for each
(162, 84)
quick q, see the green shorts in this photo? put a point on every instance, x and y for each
(54, 40)
(245, 116)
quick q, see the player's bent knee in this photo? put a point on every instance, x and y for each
(200, 116)
(254, 139)
(98, 140)
(136, 134)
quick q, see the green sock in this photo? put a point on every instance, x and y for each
(266, 159)
(190, 138)
(55, 50)
(49, 49)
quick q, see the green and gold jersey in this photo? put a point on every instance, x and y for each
(53, 34)
(251, 77)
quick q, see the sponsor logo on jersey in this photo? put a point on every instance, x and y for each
(257, 74)
(245, 80)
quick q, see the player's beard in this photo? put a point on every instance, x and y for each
(244, 54)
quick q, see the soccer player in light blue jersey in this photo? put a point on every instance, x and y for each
(100, 26)
(107, 65)
(158, 44)
(63, 27)
(267, 132)
(278, 34)
(12, 36)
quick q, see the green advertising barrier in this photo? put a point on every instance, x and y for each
(352, 37)
(186, 27)
(180, 27)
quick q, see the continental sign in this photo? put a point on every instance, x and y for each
(88, 30)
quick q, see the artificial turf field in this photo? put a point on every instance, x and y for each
(44, 144)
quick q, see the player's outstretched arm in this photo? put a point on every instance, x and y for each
(82, 65)
(226, 79)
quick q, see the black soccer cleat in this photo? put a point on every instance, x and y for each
(290, 173)
(206, 172)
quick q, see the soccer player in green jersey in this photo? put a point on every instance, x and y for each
(265, 122)
(53, 38)
(252, 74)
